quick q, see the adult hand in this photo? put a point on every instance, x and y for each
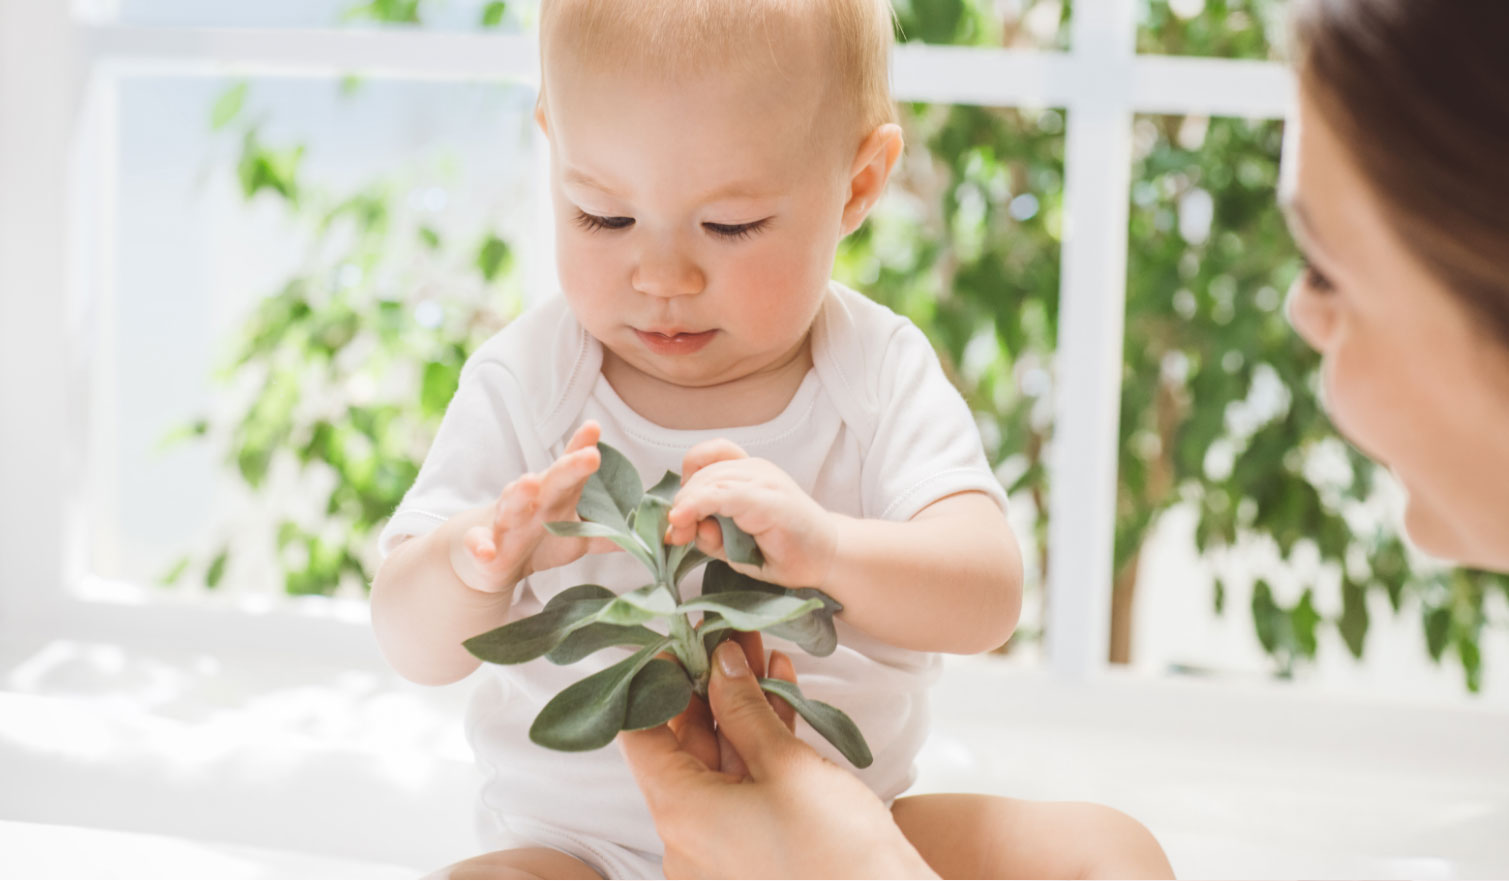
(773, 809)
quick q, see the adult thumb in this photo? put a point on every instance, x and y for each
(746, 718)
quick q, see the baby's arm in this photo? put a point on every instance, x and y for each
(948, 580)
(437, 590)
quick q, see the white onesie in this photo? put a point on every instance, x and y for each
(875, 430)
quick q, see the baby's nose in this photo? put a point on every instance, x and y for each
(667, 275)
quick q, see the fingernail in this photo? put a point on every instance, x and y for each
(731, 659)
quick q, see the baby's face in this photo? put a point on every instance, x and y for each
(696, 222)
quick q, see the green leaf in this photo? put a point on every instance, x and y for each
(438, 386)
(1353, 623)
(739, 545)
(640, 605)
(578, 593)
(597, 636)
(1437, 628)
(1267, 617)
(588, 714)
(832, 723)
(657, 695)
(667, 488)
(1304, 619)
(615, 483)
(228, 106)
(815, 631)
(529, 638)
(752, 610)
(580, 529)
(1220, 597)
(175, 571)
(430, 237)
(217, 569)
(685, 558)
(650, 524)
(494, 257)
(492, 13)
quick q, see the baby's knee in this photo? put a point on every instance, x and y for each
(1127, 848)
(527, 862)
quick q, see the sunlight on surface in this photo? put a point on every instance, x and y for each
(35, 850)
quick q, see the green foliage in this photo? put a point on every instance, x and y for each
(640, 692)
(345, 371)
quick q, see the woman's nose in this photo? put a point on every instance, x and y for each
(667, 273)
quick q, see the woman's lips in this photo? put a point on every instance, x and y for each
(675, 344)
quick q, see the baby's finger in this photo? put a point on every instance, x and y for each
(564, 480)
(586, 436)
(479, 543)
(710, 538)
(708, 452)
(517, 504)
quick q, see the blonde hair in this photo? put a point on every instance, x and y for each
(679, 37)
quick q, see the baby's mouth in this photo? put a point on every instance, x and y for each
(672, 341)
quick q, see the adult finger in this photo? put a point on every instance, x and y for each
(754, 652)
(746, 718)
(694, 729)
(666, 773)
(782, 668)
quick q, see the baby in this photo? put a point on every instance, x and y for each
(707, 157)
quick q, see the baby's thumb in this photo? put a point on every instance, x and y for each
(746, 718)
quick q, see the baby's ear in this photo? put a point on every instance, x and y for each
(873, 162)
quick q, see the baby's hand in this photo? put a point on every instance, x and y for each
(796, 535)
(493, 557)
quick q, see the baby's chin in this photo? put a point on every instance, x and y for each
(688, 371)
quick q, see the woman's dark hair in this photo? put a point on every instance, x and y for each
(1418, 90)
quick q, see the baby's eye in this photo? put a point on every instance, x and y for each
(593, 222)
(736, 230)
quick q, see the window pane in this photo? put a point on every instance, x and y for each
(1250, 537)
(284, 285)
(966, 244)
(1018, 24)
(436, 14)
(1251, 29)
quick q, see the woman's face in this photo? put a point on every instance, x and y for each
(1410, 375)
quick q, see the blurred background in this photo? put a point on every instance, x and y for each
(262, 238)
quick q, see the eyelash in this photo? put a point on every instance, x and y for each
(733, 232)
(1315, 280)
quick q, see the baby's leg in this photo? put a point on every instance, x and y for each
(520, 862)
(986, 836)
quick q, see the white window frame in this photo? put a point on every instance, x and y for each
(56, 128)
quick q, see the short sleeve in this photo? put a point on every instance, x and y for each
(926, 444)
(475, 454)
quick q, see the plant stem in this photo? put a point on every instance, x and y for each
(692, 653)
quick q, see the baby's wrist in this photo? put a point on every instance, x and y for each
(834, 525)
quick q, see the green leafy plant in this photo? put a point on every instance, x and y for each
(644, 689)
